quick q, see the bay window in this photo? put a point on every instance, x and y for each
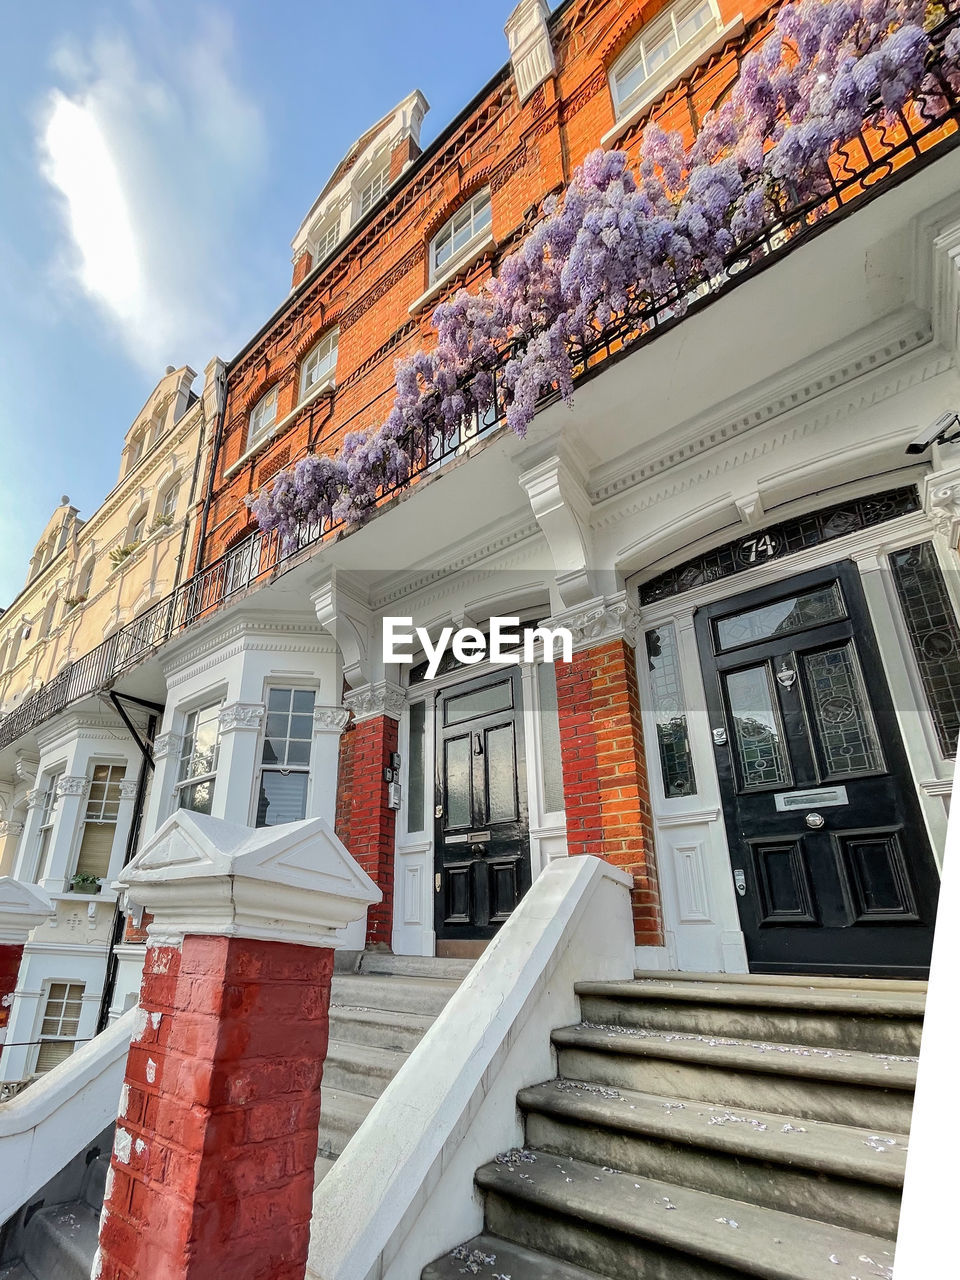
(199, 754)
(100, 820)
(61, 1022)
(285, 758)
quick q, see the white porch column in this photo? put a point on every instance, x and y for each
(328, 726)
(121, 833)
(236, 769)
(10, 833)
(166, 761)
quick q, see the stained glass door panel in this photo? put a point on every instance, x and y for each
(830, 855)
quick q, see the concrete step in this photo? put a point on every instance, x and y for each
(841, 1018)
(623, 1226)
(360, 1068)
(846, 1176)
(341, 1115)
(59, 1242)
(852, 1087)
(381, 1028)
(382, 962)
(491, 1258)
(393, 992)
(809, 981)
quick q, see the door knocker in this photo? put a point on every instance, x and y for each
(786, 676)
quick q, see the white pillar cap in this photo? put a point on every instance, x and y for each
(200, 875)
(22, 908)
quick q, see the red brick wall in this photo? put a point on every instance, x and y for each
(605, 774)
(523, 152)
(364, 823)
(212, 1173)
(10, 957)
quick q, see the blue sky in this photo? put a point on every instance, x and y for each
(156, 158)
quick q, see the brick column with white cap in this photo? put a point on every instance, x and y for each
(212, 1169)
(22, 908)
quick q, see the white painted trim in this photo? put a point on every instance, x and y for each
(468, 257)
(453, 1105)
(44, 1127)
(680, 65)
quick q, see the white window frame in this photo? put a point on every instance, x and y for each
(137, 448)
(168, 502)
(60, 1037)
(373, 189)
(322, 353)
(48, 818)
(138, 527)
(85, 581)
(649, 41)
(327, 239)
(263, 417)
(97, 810)
(186, 779)
(476, 215)
(276, 766)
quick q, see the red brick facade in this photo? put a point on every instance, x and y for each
(523, 152)
(605, 773)
(364, 823)
(212, 1172)
(10, 958)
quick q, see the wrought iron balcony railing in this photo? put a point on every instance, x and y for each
(883, 153)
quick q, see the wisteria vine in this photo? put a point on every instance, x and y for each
(618, 236)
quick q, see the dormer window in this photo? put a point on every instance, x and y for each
(468, 226)
(661, 42)
(371, 193)
(327, 241)
(262, 416)
(320, 364)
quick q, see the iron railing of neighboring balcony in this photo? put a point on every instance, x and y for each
(882, 153)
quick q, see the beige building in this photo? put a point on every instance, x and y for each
(73, 777)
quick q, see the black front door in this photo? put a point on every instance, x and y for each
(482, 849)
(831, 860)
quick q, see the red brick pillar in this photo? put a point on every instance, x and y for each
(365, 823)
(212, 1168)
(605, 770)
(22, 908)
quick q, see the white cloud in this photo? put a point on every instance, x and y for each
(154, 146)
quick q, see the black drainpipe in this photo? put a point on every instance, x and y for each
(133, 836)
(214, 457)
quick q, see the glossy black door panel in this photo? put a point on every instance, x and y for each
(831, 858)
(481, 843)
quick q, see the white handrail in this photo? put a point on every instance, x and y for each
(45, 1126)
(402, 1192)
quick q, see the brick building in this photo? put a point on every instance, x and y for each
(747, 519)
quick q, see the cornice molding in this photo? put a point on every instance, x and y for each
(809, 382)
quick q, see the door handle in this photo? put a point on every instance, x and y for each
(815, 820)
(437, 882)
(740, 882)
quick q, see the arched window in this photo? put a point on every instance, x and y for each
(85, 582)
(262, 416)
(137, 526)
(320, 363)
(46, 622)
(135, 450)
(681, 27)
(468, 226)
(168, 503)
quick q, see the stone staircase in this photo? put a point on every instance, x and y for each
(706, 1127)
(377, 1016)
